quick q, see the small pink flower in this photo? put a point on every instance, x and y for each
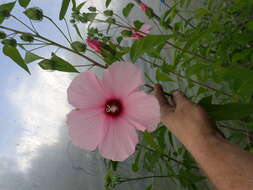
(109, 111)
(144, 7)
(95, 45)
(137, 35)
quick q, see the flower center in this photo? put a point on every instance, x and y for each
(113, 107)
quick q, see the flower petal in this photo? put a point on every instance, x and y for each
(86, 91)
(120, 140)
(145, 28)
(122, 78)
(86, 127)
(142, 110)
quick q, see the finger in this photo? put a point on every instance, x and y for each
(164, 104)
(179, 98)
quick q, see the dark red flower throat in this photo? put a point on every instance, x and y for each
(113, 107)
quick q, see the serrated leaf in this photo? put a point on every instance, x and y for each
(64, 8)
(24, 3)
(14, 54)
(62, 65)
(31, 57)
(6, 7)
(126, 11)
(145, 44)
(107, 3)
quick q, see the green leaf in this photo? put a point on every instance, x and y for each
(160, 76)
(14, 54)
(233, 111)
(31, 57)
(80, 6)
(78, 46)
(60, 64)
(24, 3)
(143, 45)
(150, 187)
(5, 10)
(149, 139)
(135, 164)
(127, 9)
(64, 8)
(107, 3)
(249, 25)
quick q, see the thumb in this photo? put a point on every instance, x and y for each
(164, 104)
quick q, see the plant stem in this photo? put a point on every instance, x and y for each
(23, 23)
(57, 45)
(33, 26)
(57, 28)
(67, 26)
(146, 177)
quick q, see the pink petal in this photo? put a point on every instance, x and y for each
(86, 127)
(120, 140)
(122, 78)
(142, 111)
(145, 28)
(86, 91)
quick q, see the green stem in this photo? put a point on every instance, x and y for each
(146, 177)
(67, 26)
(57, 45)
(23, 23)
(57, 28)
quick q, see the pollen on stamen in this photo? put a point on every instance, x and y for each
(113, 107)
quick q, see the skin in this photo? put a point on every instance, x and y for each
(227, 166)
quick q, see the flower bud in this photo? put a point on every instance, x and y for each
(27, 37)
(10, 42)
(34, 13)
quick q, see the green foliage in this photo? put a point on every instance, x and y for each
(31, 57)
(126, 11)
(14, 54)
(107, 3)
(78, 46)
(34, 13)
(146, 44)
(27, 37)
(5, 10)
(2, 35)
(56, 63)
(64, 8)
(10, 42)
(24, 3)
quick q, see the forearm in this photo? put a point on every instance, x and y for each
(227, 166)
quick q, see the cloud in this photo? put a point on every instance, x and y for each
(41, 106)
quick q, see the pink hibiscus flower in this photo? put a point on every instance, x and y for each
(137, 35)
(144, 7)
(109, 111)
(95, 45)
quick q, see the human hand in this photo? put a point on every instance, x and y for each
(184, 118)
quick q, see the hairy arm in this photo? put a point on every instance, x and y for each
(227, 166)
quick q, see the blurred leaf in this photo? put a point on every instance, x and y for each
(135, 164)
(150, 187)
(14, 54)
(24, 3)
(249, 25)
(233, 111)
(80, 6)
(160, 76)
(5, 10)
(31, 57)
(149, 139)
(107, 3)
(145, 44)
(127, 9)
(64, 8)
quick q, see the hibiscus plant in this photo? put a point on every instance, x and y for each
(207, 52)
